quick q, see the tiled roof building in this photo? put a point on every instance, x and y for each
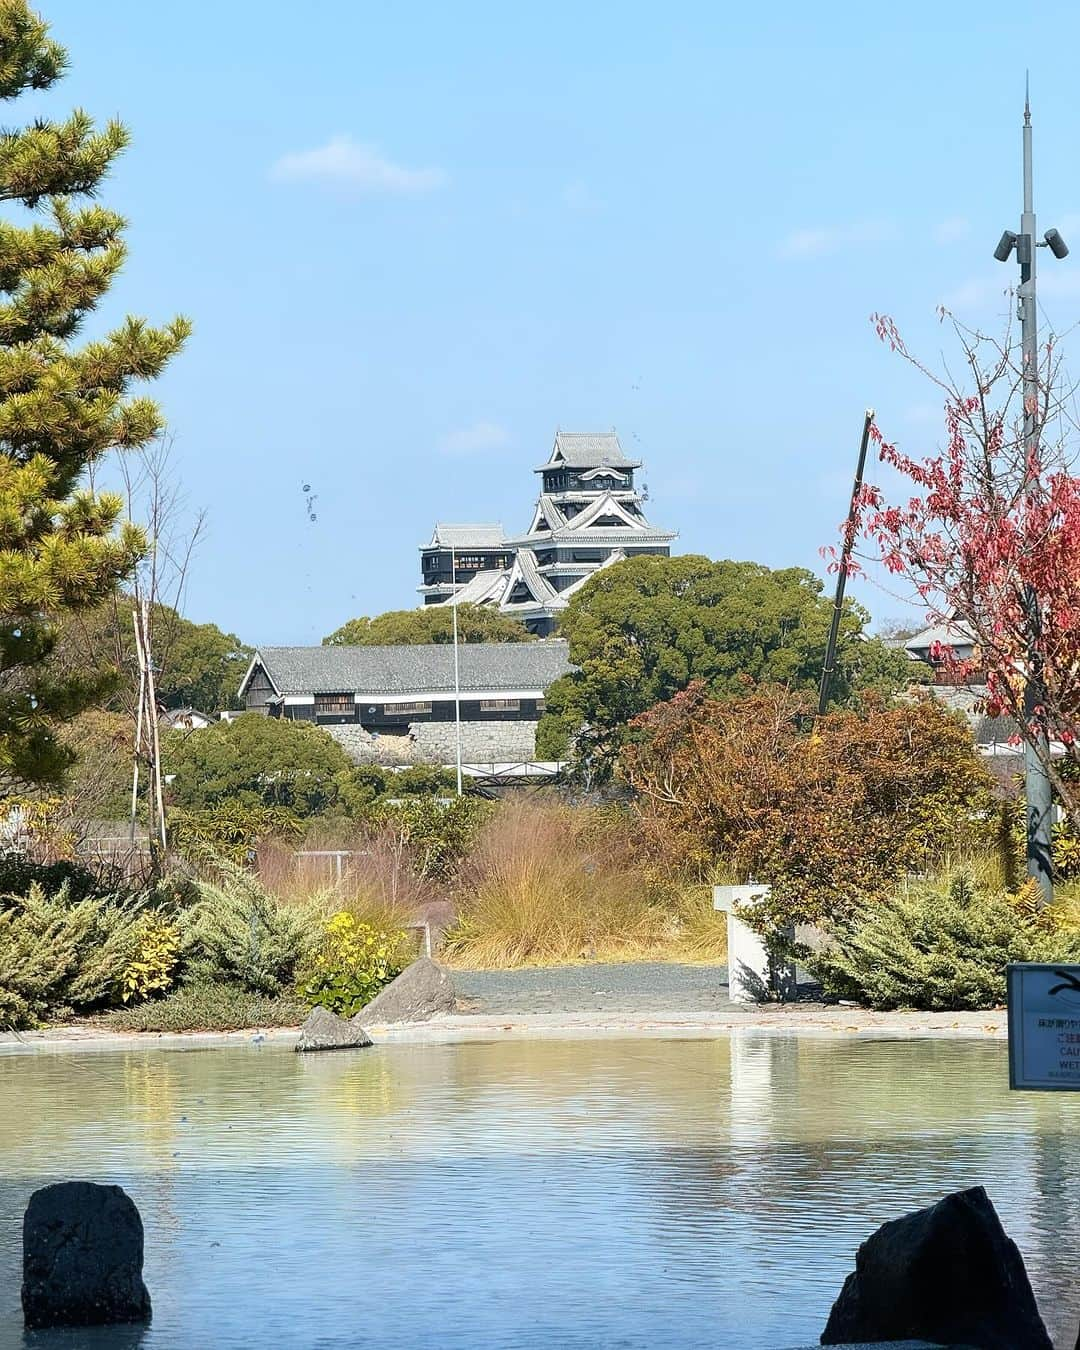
(390, 690)
(589, 514)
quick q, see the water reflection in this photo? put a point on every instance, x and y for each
(592, 1193)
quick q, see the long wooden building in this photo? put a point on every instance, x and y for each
(388, 689)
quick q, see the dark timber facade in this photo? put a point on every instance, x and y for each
(456, 554)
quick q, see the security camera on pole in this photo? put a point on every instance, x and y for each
(1037, 787)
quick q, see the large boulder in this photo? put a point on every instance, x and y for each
(419, 992)
(325, 1030)
(948, 1274)
(82, 1257)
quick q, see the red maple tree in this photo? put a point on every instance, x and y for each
(990, 538)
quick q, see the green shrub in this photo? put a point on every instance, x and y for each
(19, 872)
(238, 933)
(59, 956)
(256, 761)
(439, 832)
(232, 830)
(366, 785)
(209, 1007)
(352, 964)
(937, 947)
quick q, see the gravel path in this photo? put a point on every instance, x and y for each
(629, 987)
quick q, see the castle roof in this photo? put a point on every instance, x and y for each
(948, 634)
(588, 450)
(467, 536)
(605, 520)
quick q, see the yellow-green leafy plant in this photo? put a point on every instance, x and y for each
(150, 970)
(352, 964)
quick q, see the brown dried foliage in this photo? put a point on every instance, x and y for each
(829, 812)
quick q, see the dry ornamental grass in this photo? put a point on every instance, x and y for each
(547, 883)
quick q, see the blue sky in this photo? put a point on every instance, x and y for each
(414, 239)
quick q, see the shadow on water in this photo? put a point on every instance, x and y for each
(592, 1193)
(87, 1338)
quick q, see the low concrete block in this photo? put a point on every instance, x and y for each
(751, 975)
(82, 1257)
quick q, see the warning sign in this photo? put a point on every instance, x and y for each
(1044, 1027)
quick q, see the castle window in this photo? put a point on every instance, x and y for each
(334, 705)
(499, 704)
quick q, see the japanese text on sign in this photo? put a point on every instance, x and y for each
(1044, 1027)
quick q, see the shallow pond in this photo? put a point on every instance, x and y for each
(600, 1193)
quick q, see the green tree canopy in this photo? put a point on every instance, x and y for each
(255, 761)
(201, 667)
(62, 408)
(98, 786)
(431, 623)
(197, 665)
(643, 629)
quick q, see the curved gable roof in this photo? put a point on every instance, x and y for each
(588, 450)
(467, 536)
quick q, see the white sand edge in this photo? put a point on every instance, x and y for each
(797, 1020)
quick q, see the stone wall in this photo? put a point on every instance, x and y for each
(481, 742)
(363, 748)
(435, 743)
(960, 697)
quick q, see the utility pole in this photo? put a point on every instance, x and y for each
(1037, 787)
(457, 668)
(841, 575)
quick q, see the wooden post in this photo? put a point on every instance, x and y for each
(148, 738)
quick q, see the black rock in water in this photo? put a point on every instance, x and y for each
(82, 1257)
(419, 992)
(324, 1030)
(948, 1274)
